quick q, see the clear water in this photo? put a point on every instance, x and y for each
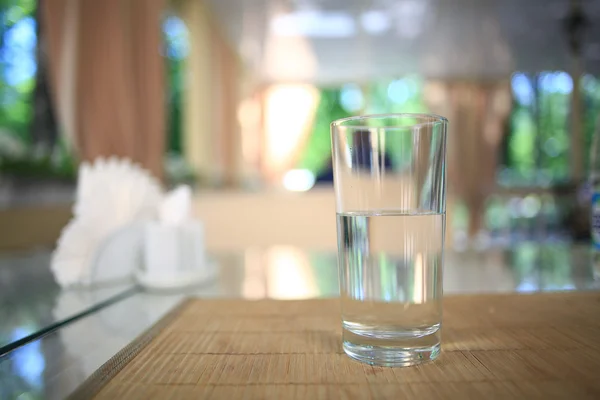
(391, 285)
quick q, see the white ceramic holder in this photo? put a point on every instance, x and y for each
(174, 256)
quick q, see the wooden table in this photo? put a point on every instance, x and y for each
(494, 346)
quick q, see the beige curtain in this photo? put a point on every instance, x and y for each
(211, 134)
(225, 88)
(477, 113)
(108, 76)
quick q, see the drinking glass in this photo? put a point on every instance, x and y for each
(390, 190)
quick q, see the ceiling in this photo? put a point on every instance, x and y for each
(331, 41)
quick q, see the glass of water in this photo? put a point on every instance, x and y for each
(390, 189)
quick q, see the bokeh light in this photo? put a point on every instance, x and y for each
(351, 98)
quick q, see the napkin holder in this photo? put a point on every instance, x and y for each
(174, 256)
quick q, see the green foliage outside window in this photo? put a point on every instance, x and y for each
(522, 142)
(17, 66)
(590, 88)
(392, 96)
(399, 96)
(318, 149)
(20, 156)
(538, 141)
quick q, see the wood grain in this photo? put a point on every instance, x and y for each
(544, 346)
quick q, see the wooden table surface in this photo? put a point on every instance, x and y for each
(494, 346)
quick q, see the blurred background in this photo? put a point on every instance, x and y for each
(235, 98)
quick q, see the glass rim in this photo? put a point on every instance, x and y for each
(433, 119)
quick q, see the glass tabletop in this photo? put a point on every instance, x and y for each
(31, 303)
(285, 272)
(55, 364)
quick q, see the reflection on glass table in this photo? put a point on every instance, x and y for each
(56, 364)
(284, 272)
(31, 301)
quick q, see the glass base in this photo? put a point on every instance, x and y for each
(391, 356)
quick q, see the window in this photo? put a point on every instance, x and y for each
(537, 145)
(389, 96)
(18, 64)
(176, 49)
